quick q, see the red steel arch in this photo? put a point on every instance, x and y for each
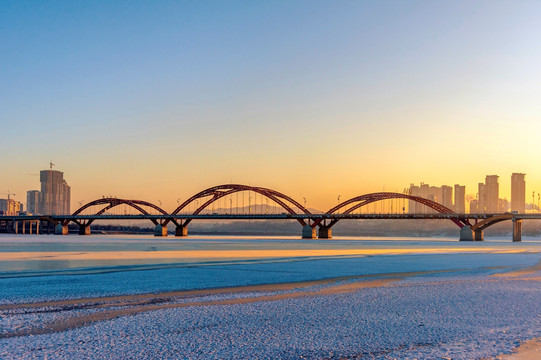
(370, 198)
(113, 202)
(217, 192)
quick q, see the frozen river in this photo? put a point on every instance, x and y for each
(266, 297)
(21, 254)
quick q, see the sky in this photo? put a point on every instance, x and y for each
(157, 100)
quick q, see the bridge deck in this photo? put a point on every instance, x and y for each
(284, 216)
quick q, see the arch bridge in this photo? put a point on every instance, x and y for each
(313, 225)
(349, 206)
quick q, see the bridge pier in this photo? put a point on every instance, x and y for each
(466, 234)
(181, 230)
(160, 230)
(324, 232)
(479, 235)
(308, 232)
(30, 226)
(84, 229)
(48, 226)
(60, 229)
(36, 222)
(517, 230)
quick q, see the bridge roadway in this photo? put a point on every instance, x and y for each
(324, 221)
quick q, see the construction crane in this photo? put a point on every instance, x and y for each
(8, 194)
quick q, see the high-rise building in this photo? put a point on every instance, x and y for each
(426, 191)
(503, 205)
(413, 206)
(10, 207)
(518, 193)
(55, 193)
(492, 194)
(481, 198)
(474, 206)
(447, 196)
(460, 199)
(32, 201)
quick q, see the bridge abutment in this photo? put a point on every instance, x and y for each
(517, 230)
(160, 230)
(308, 232)
(60, 229)
(324, 232)
(181, 231)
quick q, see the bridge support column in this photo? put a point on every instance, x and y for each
(181, 230)
(60, 229)
(466, 234)
(325, 232)
(478, 235)
(517, 230)
(160, 230)
(16, 226)
(308, 232)
(84, 230)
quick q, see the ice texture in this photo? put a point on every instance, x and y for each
(141, 279)
(456, 319)
(446, 306)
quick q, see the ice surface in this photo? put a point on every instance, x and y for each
(459, 320)
(126, 280)
(452, 308)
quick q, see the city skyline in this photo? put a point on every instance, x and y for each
(312, 98)
(454, 197)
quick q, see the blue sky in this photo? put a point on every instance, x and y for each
(310, 97)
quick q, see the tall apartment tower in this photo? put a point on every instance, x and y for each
(442, 195)
(447, 196)
(460, 199)
(55, 193)
(481, 198)
(32, 201)
(518, 193)
(492, 193)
